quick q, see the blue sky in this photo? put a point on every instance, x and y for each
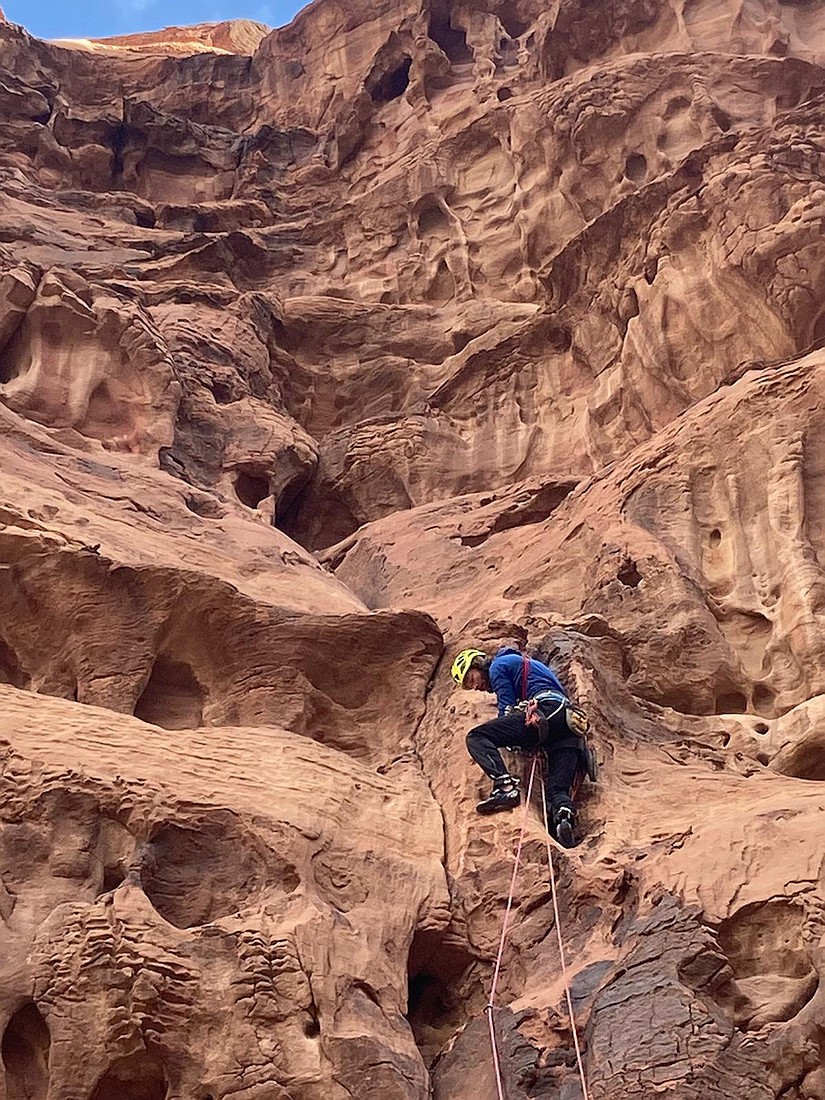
(98, 18)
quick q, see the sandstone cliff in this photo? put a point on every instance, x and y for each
(324, 352)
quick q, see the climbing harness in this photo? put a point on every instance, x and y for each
(575, 717)
(508, 909)
(533, 714)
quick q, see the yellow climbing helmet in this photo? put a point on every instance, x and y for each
(461, 665)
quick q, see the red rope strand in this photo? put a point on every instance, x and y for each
(566, 983)
(489, 1007)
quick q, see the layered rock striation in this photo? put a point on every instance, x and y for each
(324, 352)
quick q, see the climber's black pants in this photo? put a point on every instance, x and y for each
(562, 752)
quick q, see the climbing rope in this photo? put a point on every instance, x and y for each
(489, 1007)
(505, 927)
(557, 920)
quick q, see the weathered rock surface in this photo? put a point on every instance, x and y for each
(324, 352)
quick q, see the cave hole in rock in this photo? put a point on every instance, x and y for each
(507, 54)
(539, 506)
(145, 219)
(559, 337)
(511, 22)
(197, 872)
(760, 727)
(251, 489)
(442, 288)
(817, 335)
(116, 851)
(104, 413)
(9, 368)
(292, 494)
(715, 537)
(675, 106)
(204, 506)
(452, 40)
(503, 94)
(112, 878)
(805, 760)
(764, 700)
(140, 1076)
(317, 523)
(773, 977)
(438, 983)
(392, 84)
(119, 140)
(367, 990)
(433, 220)
(635, 167)
(223, 392)
(678, 698)
(627, 665)
(173, 698)
(721, 118)
(731, 702)
(628, 574)
(763, 759)
(25, 1052)
(312, 1027)
(473, 540)
(10, 670)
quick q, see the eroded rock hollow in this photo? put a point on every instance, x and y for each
(324, 352)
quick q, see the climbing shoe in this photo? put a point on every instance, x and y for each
(504, 796)
(564, 827)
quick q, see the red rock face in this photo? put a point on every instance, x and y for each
(324, 353)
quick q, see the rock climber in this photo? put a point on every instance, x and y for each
(516, 680)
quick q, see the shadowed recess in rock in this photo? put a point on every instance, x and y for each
(805, 759)
(9, 369)
(391, 84)
(437, 1001)
(195, 874)
(451, 39)
(26, 1055)
(115, 851)
(251, 488)
(10, 670)
(139, 1076)
(172, 698)
(772, 973)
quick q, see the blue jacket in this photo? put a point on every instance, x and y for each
(506, 677)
